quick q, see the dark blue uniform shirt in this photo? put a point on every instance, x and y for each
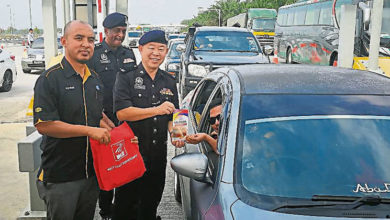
(108, 63)
(137, 89)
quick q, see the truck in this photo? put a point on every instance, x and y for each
(261, 21)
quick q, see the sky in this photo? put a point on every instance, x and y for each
(140, 11)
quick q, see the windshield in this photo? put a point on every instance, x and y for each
(173, 53)
(290, 147)
(264, 24)
(135, 34)
(386, 18)
(226, 41)
(38, 43)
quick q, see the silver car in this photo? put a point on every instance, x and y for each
(34, 57)
(294, 142)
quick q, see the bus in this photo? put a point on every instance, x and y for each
(308, 32)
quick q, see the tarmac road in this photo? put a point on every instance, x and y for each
(13, 120)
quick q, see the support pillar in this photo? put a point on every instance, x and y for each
(101, 14)
(122, 7)
(375, 31)
(347, 36)
(49, 29)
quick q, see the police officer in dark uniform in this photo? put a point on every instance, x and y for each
(146, 98)
(109, 59)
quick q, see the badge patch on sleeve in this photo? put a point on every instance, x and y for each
(166, 91)
(128, 60)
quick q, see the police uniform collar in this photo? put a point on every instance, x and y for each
(141, 70)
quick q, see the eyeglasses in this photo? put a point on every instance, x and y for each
(213, 120)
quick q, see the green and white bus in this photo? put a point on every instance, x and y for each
(308, 31)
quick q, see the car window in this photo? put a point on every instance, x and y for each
(173, 53)
(225, 41)
(206, 127)
(200, 99)
(38, 43)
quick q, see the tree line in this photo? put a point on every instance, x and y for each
(231, 8)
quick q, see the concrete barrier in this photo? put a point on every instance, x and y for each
(29, 154)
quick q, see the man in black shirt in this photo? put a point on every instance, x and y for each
(109, 59)
(67, 111)
(146, 98)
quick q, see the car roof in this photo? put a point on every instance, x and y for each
(305, 79)
(215, 28)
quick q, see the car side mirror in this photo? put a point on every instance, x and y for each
(181, 48)
(192, 165)
(268, 50)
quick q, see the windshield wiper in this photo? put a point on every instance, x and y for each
(355, 202)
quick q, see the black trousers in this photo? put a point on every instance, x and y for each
(140, 198)
(70, 200)
(105, 202)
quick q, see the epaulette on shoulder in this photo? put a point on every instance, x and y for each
(167, 74)
(93, 71)
(51, 69)
(98, 45)
(126, 47)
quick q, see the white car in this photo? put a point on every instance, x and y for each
(7, 71)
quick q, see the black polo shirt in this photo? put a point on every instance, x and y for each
(60, 94)
(108, 63)
(137, 89)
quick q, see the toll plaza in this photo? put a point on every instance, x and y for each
(93, 12)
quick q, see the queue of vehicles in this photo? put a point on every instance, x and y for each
(294, 141)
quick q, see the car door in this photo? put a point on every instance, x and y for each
(203, 194)
(196, 107)
(3, 64)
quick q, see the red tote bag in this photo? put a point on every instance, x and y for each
(119, 162)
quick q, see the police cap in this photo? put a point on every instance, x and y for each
(157, 36)
(115, 20)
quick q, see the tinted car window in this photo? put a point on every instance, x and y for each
(326, 13)
(299, 150)
(173, 53)
(299, 18)
(264, 24)
(225, 41)
(312, 14)
(201, 96)
(38, 44)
